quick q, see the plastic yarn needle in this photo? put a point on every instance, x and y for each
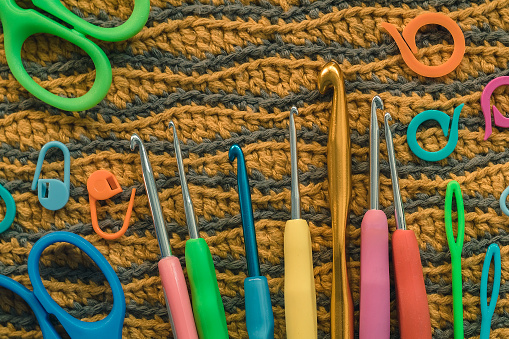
(300, 293)
(375, 317)
(208, 306)
(411, 297)
(456, 247)
(170, 271)
(493, 252)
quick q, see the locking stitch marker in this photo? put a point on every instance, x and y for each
(408, 47)
(499, 119)
(443, 119)
(102, 185)
(53, 194)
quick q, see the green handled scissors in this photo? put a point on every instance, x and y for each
(456, 247)
(19, 23)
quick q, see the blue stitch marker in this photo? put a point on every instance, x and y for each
(53, 193)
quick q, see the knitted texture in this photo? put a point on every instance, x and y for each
(229, 72)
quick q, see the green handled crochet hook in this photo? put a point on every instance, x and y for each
(208, 307)
(456, 247)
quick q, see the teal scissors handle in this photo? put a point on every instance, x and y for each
(456, 247)
(125, 31)
(18, 24)
(487, 311)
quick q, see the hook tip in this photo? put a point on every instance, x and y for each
(235, 152)
(171, 124)
(387, 117)
(135, 139)
(377, 102)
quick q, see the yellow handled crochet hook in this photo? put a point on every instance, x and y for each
(340, 187)
(300, 293)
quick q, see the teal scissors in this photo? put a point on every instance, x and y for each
(19, 24)
(43, 305)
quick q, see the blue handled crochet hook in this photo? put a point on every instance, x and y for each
(259, 316)
(487, 311)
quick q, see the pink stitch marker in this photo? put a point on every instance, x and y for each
(500, 120)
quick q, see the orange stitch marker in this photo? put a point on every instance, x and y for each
(102, 185)
(407, 46)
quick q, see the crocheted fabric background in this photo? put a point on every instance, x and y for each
(229, 72)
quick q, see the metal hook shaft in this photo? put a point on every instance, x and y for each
(188, 203)
(399, 212)
(295, 195)
(374, 154)
(153, 198)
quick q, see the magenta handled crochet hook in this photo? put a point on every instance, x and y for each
(375, 290)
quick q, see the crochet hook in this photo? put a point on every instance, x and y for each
(493, 252)
(455, 247)
(340, 189)
(207, 304)
(375, 313)
(411, 297)
(170, 271)
(300, 294)
(259, 316)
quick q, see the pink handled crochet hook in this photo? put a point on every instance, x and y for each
(170, 271)
(374, 319)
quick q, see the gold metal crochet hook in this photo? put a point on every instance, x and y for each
(340, 187)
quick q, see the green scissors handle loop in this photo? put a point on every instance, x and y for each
(456, 247)
(19, 24)
(123, 32)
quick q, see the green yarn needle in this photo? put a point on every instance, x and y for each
(456, 247)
